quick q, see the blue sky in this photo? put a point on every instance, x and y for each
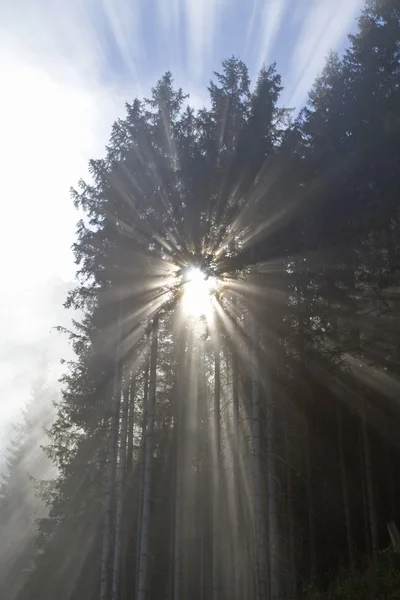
(67, 67)
(140, 40)
(132, 42)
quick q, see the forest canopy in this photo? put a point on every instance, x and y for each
(229, 428)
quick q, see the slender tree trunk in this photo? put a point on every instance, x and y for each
(141, 465)
(205, 479)
(129, 451)
(110, 468)
(369, 482)
(292, 587)
(236, 477)
(390, 483)
(364, 494)
(272, 501)
(202, 565)
(199, 490)
(180, 386)
(127, 511)
(148, 463)
(120, 488)
(308, 449)
(217, 472)
(259, 533)
(171, 568)
(310, 503)
(345, 489)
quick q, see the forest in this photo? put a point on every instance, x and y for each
(229, 427)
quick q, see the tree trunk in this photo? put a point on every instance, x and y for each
(310, 503)
(364, 494)
(205, 481)
(120, 487)
(272, 501)
(198, 553)
(259, 533)
(369, 482)
(217, 472)
(148, 463)
(236, 477)
(390, 483)
(345, 489)
(132, 392)
(292, 587)
(180, 386)
(127, 532)
(141, 465)
(308, 449)
(110, 468)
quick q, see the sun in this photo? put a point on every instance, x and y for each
(198, 290)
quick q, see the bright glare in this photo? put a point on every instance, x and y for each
(197, 293)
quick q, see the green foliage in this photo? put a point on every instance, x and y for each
(371, 581)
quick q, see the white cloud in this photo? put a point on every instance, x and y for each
(55, 114)
(47, 134)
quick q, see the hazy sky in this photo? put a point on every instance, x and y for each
(66, 69)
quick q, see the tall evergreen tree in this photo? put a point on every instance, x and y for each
(20, 505)
(258, 424)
